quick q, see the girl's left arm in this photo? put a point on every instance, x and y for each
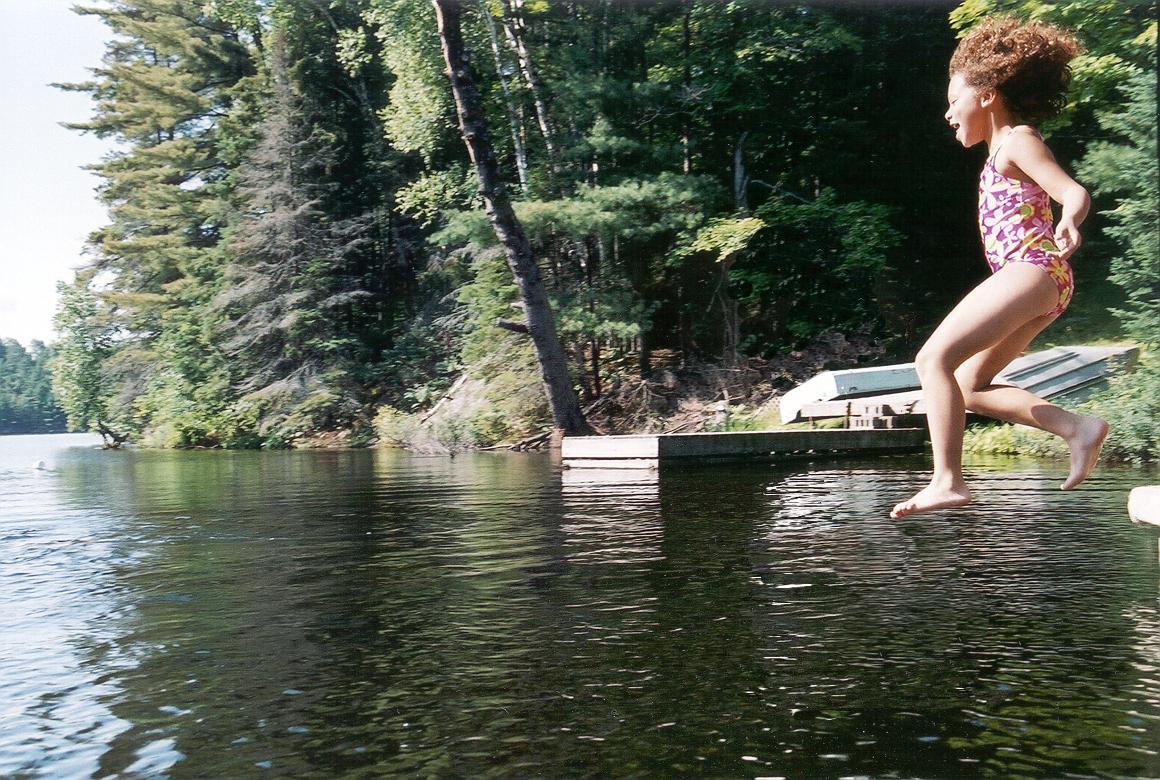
(1033, 157)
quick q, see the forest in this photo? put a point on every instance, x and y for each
(27, 404)
(719, 197)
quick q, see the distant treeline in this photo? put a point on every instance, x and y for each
(296, 236)
(27, 404)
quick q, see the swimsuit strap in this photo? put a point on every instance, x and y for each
(1011, 132)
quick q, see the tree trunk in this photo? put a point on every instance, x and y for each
(686, 114)
(566, 413)
(730, 317)
(643, 356)
(512, 28)
(740, 179)
(111, 439)
(593, 258)
(509, 103)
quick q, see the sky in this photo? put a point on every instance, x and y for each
(47, 201)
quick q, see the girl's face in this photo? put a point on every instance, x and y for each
(966, 111)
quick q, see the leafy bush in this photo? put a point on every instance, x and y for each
(1006, 439)
(503, 401)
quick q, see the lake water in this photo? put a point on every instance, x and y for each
(365, 614)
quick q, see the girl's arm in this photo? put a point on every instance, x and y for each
(1030, 155)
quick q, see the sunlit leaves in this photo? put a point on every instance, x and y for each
(723, 237)
(419, 116)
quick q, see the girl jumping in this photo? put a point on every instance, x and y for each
(1003, 74)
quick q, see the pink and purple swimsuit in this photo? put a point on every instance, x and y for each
(1016, 225)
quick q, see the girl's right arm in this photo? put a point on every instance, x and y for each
(1030, 154)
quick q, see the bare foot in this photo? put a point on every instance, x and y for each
(1085, 449)
(931, 498)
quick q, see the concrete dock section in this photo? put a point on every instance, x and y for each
(651, 451)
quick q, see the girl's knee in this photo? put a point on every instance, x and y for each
(932, 360)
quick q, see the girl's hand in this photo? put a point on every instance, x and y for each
(1067, 238)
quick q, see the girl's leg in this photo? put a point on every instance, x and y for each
(1084, 435)
(1002, 304)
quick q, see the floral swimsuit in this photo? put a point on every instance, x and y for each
(1016, 225)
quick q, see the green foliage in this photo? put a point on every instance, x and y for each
(320, 408)
(814, 268)
(1126, 171)
(78, 367)
(1131, 405)
(183, 414)
(607, 312)
(420, 113)
(241, 14)
(603, 245)
(296, 233)
(448, 434)
(394, 428)
(723, 237)
(634, 210)
(284, 289)
(27, 404)
(1006, 439)
(501, 400)
(432, 193)
(415, 370)
(513, 404)
(166, 79)
(236, 260)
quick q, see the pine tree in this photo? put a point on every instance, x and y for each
(163, 84)
(1126, 170)
(541, 325)
(286, 290)
(161, 92)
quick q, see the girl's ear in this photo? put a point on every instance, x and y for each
(988, 97)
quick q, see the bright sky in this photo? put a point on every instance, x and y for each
(47, 202)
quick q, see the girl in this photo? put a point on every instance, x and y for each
(1005, 73)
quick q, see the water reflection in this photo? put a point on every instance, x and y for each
(365, 613)
(994, 617)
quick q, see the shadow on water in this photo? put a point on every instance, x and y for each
(356, 613)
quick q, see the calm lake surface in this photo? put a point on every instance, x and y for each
(366, 613)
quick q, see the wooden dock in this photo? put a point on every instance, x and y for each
(889, 421)
(651, 451)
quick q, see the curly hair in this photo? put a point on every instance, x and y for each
(1025, 62)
